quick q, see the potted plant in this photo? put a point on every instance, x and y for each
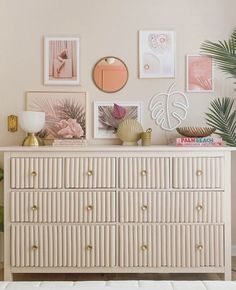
(222, 113)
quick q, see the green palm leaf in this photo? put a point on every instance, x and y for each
(223, 52)
(222, 117)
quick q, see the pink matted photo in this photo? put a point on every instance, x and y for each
(200, 74)
(61, 60)
(66, 113)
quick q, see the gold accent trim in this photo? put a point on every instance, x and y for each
(144, 172)
(89, 247)
(33, 173)
(144, 247)
(90, 173)
(144, 207)
(34, 207)
(89, 207)
(34, 247)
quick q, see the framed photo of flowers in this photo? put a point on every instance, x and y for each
(61, 61)
(108, 116)
(199, 73)
(156, 54)
(66, 113)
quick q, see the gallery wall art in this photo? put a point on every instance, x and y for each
(199, 73)
(108, 116)
(156, 54)
(61, 61)
(66, 113)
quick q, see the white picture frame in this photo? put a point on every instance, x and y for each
(105, 124)
(156, 54)
(61, 60)
(199, 74)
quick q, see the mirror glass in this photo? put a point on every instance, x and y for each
(110, 74)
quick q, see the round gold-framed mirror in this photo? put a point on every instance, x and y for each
(110, 74)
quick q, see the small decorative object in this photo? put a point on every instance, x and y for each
(129, 131)
(12, 122)
(199, 141)
(156, 54)
(169, 108)
(32, 122)
(146, 137)
(108, 116)
(61, 61)
(195, 131)
(222, 116)
(200, 74)
(65, 113)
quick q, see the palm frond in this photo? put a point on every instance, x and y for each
(222, 117)
(223, 53)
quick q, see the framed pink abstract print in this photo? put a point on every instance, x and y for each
(61, 61)
(66, 113)
(156, 54)
(200, 73)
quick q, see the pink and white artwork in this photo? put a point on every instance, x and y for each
(156, 54)
(108, 116)
(61, 60)
(65, 113)
(199, 74)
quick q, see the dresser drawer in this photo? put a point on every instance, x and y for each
(89, 172)
(198, 172)
(145, 172)
(171, 207)
(55, 206)
(33, 172)
(62, 246)
(171, 246)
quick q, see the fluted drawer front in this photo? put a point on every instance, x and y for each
(171, 245)
(33, 172)
(166, 206)
(62, 246)
(144, 172)
(197, 172)
(56, 206)
(89, 172)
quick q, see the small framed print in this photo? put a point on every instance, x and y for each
(108, 116)
(66, 113)
(199, 73)
(156, 54)
(61, 61)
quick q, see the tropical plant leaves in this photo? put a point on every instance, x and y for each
(223, 52)
(222, 117)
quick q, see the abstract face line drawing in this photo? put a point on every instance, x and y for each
(200, 73)
(156, 54)
(169, 109)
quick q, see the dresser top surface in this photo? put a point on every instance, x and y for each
(115, 148)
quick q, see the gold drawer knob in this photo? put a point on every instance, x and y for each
(144, 207)
(199, 207)
(144, 172)
(199, 173)
(200, 247)
(33, 173)
(34, 247)
(89, 247)
(89, 207)
(34, 207)
(144, 247)
(90, 173)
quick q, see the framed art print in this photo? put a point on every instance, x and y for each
(199, 73)
(156, 54)
(66, 113)
(108, 116)
(61, 61)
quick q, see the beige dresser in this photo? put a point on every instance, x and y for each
(107, 209)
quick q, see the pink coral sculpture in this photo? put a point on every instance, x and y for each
(70, 129)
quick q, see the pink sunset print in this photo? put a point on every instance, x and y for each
(199, 70)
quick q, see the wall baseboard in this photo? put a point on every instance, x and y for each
(233, 251)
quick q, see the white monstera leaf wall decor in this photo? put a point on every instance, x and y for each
(169, 109)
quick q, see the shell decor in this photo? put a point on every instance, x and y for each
(195, 131)
(169, 109)
(129, 131)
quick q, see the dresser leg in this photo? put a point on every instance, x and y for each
(8, 276)
(228, 275)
